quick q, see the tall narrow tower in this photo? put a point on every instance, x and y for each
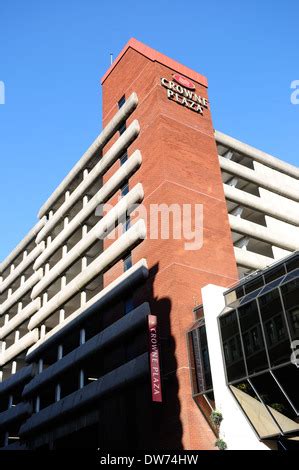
(180, 171)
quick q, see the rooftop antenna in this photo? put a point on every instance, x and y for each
(111, 58)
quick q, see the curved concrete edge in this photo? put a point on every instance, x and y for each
(21, 376)
(107, 191)
(252, 176)
(22, 245)
(110, 256)
(22, 266)
(122, 114)
(264, 234)
(110, 335)
(20, 346)
(20, 317)
(256, 154)
(248, 259)
(22, 290)
(254, 202)
(114, 380)
(99, 231)
(21, 410)
(116, 150)
(115, 290)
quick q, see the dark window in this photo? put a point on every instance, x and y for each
(239, 292)
(122, 101)
(124, 189)
(274, 273)
(275, 329)
(128, 262)
(129, 305)
(292, 264)
(122, 128)
(254, 284)
(230, 334)
(254, 346)
(288, 377)
(290, 294)
(123, 158)
(201, 360)
(127, 224)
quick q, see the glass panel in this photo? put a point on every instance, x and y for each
(254, 284)
(197, 362)
(288, 377)
(206, 405)
(122, 101)
(240, 292)
(201, 360)
(128, 262)
(235, 367)
(122, 128)
(256, 412)
(292, 264)
(290, 295)
(198, 312)
(251, 296)
(252, 337)
(192, 363)
(275, 273)
(123, 158)
(275, 329)
(210, 398)
(205, 358)
(271, 286)
(293, 275)
(276, 402)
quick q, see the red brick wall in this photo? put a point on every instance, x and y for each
(180, 165)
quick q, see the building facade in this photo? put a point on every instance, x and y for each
(96, 301)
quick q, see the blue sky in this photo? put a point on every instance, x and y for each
(53, 53)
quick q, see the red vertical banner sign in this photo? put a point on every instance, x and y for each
(154, 358)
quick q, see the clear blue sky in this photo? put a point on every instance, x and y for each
(53, 53)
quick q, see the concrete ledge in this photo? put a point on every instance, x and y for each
(264, 234)
(115, 332)
(20, 317)
(109, 257)
(98, 232)
(252, 176)
(14, 414)
(100, 169)
(248, 259)
(22, 376)
(256, 154)
(122, 114)
(113, 381)
(18, 347)
(107, 190)
(254, 202)
(22, 290)
(22, 267)
(22, 245)
(129, 280)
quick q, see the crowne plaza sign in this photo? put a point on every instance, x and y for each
(181, 90)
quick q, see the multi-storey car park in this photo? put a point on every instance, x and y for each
(79, 308)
